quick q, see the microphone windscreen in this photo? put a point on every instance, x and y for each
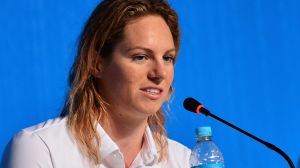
(191, 104)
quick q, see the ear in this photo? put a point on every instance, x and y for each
(97, 67)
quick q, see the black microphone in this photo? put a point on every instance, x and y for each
(193, 105)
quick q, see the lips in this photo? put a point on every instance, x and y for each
(153, 93)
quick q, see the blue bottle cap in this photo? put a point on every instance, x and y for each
(203, 131)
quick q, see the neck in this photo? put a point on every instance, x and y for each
(127, 134)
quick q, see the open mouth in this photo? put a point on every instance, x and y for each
(152, 93)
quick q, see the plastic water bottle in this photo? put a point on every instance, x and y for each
(206, 154)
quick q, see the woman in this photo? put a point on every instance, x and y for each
(121, 76)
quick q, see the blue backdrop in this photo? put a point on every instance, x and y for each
(239, 58)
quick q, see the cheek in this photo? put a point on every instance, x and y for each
(112, 78)
(170, 76)
(169, 79)
(118, 77)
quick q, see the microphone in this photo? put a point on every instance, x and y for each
(193, 105)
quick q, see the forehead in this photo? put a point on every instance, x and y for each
(149, 30)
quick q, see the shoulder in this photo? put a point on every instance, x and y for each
(177, 147)
(34, 146)
(45, 127)
(46, 132)
(179, 154)
(41, 132)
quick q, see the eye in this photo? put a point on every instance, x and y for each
(169, 58)
(139, 58)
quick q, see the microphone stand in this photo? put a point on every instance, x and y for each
(269, 145)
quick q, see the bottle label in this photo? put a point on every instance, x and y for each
(210, 165)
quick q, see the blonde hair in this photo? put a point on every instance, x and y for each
(84, 105)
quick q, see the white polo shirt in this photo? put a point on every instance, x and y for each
(49, 145)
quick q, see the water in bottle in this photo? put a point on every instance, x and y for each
(206, 154)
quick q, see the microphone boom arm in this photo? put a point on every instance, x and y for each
(269, 145)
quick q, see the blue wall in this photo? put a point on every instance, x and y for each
(239, 58)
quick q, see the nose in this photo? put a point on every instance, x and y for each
(157, 73)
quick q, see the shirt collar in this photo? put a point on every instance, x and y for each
(148, 153)
(107, 145)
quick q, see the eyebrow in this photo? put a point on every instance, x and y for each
(147, 49)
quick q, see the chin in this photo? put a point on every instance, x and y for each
(154, 111)
(148, 108)
(148, 111)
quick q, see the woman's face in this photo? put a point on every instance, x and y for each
(137, 78)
